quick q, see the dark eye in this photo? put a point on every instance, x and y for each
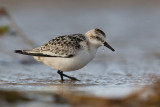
(97, 37)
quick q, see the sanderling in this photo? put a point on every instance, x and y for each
(69, 52)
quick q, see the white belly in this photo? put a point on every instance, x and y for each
(67, 64)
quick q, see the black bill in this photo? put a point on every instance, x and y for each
(108, 46)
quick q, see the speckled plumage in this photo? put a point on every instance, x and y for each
(66, 45)
(62, 46)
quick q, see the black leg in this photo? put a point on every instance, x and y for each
(61, 74)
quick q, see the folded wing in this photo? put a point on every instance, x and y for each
(63, 46)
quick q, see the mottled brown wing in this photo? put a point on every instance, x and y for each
(62, 46)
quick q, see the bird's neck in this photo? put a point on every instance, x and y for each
(92, 48)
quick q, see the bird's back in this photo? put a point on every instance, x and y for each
(62, 46)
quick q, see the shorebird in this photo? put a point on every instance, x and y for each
(69, 52)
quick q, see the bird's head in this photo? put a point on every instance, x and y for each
(97, 38)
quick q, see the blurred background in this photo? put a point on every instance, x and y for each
(132, 28)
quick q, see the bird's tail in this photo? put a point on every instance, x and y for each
(25, 52)
(32, 53)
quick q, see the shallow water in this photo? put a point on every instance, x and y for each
(132, 31)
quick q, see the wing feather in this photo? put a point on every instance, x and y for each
(63, 46)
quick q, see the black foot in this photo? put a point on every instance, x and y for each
(61, 74)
